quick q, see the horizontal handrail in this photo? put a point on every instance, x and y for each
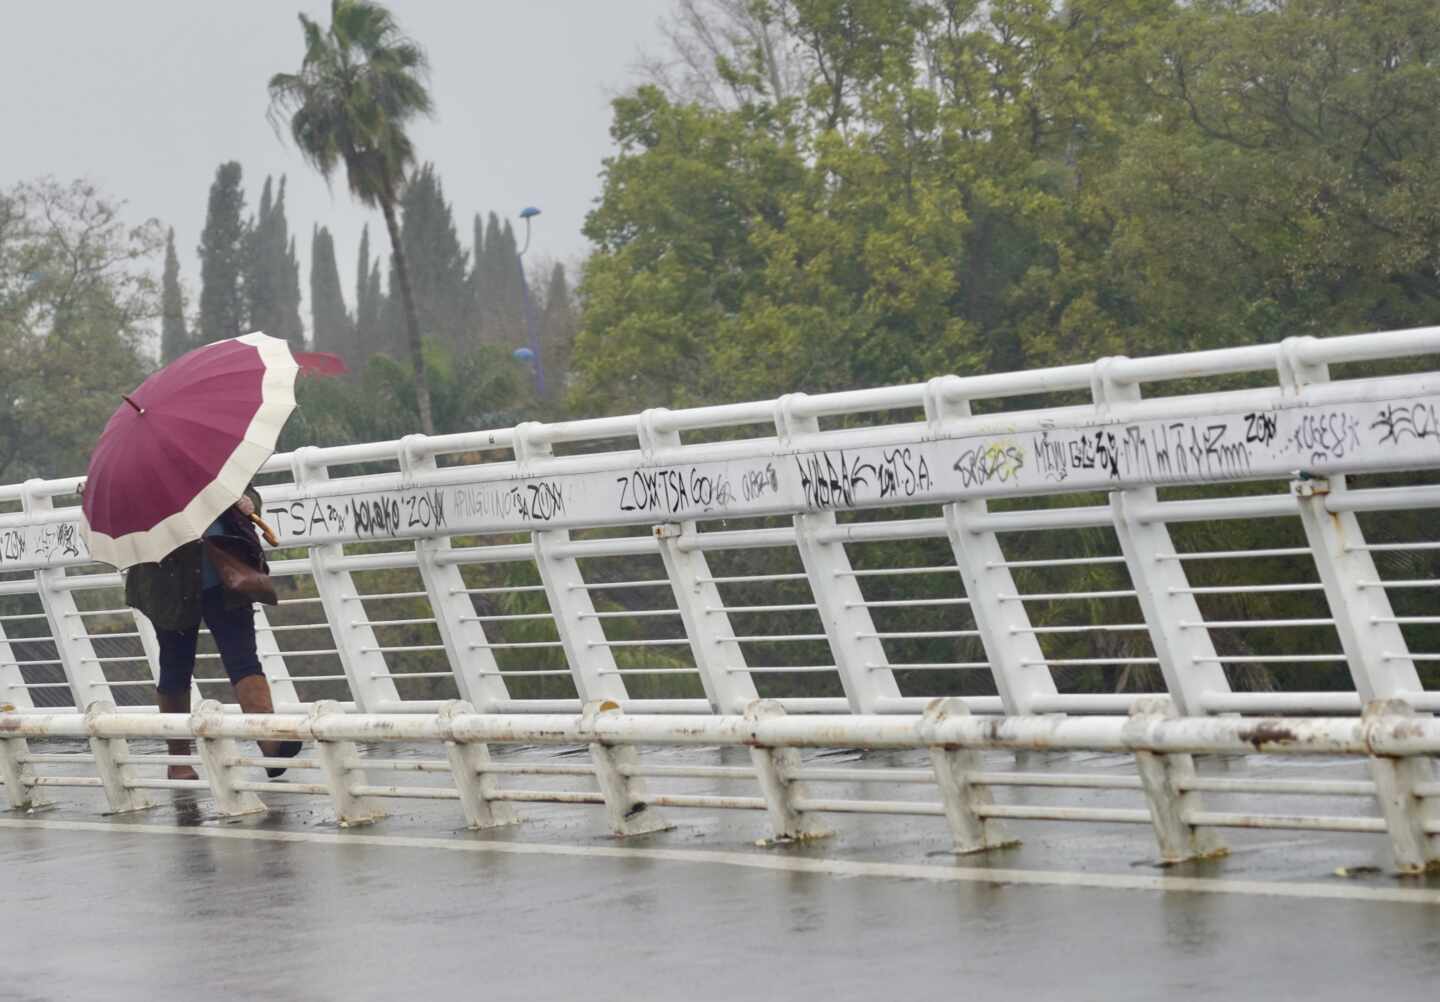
(1161, 743)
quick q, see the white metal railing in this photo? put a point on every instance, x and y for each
(1166, 792)
(854, 552)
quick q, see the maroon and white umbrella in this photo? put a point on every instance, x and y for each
(185, 444)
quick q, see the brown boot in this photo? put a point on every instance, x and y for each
(253, 694)
(177, 702)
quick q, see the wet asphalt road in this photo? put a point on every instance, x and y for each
(174, 903)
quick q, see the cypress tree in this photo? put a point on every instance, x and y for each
(489, 282)
(558, 326)
(497, 285)
(368, 301)
(272, 271)
(509, 282)
(222, 255)
(174, 339)
(379, 306)
(475, 317)
(437, 261)
(329, 320)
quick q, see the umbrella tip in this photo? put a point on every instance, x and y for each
(138, 408)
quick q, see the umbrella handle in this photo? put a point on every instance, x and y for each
(265, 530)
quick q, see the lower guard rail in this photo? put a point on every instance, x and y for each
(1399, 746)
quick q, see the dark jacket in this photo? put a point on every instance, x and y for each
(168, 592)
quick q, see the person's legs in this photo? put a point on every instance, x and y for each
(234, 633)
(177, 665)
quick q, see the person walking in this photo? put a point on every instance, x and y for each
(185, 588)
(162, 497)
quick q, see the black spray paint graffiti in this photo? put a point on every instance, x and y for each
(1261, 427)
(757, 483)
(1051, 456)
(543, 501)
(12, 544)
(1397, 422)
(998, 462)
(540, 501)
(671, 490)
(306, 518)
(52, 541)
(55, 541)
(1175, 451)
(902, 471)
(375, 516)
(379, 515)
(831, 482)
(1329, 435)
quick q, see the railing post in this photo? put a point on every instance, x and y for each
(776, 769)
(16, 773)
(1185, 652)
(112, 762)
(1397, 784)
(592, 663)
(624, 794)
(217, 755)
(272, 661)
(12, 680)
(343, 775)
(707, 625)
(960, 794)
(1017, 663)
(75, 651)
(719, 658)
(860, 657)
(370, 684)
(1373, 643)
(1163, 778)
(469, 768)
(466, 646)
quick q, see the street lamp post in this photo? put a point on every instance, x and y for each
(528, 213)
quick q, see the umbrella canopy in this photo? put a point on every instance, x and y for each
(184, 445)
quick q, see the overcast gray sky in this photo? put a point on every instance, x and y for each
(147, 97)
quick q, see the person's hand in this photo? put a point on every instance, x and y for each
(245, 506)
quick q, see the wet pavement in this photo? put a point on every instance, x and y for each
(175, 902)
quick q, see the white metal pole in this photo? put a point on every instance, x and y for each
(13, 691)
(365, 668)
(719, 657)
(1017, 663)
(466, 646)
(72, 646)
(592, 665)
(859, 655)
(1185, 652)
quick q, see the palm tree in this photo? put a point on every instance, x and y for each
(359, 86)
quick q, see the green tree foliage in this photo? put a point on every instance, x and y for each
(174, 338)
(360, 85)
(1289, 173)
(330, 320)
(222, 258)
(475, 389)
(272, 271)
(75, 307)
(966, 186)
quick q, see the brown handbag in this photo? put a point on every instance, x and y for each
(239, 576)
